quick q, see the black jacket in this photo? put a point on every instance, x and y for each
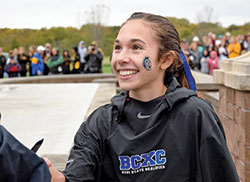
(183, 142)
(93, 62)
(18, 163)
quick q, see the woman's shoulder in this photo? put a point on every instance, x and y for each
(100, 117)
(200, 104)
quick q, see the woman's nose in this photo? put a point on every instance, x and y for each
(123, 57)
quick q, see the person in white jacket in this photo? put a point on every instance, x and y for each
(83, 52)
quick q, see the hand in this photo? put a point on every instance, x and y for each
(56, 176)
(90, 49)
(39, 72)
(94, 52)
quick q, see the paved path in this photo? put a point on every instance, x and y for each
(50, 111)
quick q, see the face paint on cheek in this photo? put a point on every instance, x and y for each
(147, 64)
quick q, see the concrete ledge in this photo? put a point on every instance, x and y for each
(205, 82)
(72, 78)
(237, 80)
(235, 73)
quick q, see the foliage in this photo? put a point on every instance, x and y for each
(67, 37)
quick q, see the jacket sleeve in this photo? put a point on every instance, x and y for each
(99, 56)
(41, 65)
(18, 163)
(51, 64)
(7, 68)
(216, 163)
(86, 154)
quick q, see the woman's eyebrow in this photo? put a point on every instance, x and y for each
(132, 40)
(137, 40)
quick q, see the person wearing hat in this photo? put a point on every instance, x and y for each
(93, 59)
(13, 68)
(37, 64)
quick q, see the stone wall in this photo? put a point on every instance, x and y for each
(234, 110)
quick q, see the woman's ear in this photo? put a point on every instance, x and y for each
(167, 59)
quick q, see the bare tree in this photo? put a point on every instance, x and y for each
(206, 15)
(98, 14)
(98, 17)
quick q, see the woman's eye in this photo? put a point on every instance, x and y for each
(117, 47)
(137, 47)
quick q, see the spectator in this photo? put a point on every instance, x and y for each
(82, 50)
(55, 62)
(23, 60)
(37, 60)
(213, 62)
(67, 63)
(93, 59)
(13, 68)
(217, 45)
(203, 61)
(46, 57)
(212, 37)
(208, 43)
(222, 51)
(2, 63)
(10, 54)
(15, 53)
(240, 39)
(185, 48)
(246, 43)
(48, 49)
(234, 48)
(76, 61)
(227, 38)
(195, 55)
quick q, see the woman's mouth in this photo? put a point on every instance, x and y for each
(126, 74)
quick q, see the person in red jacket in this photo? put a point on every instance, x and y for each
(13, 68)
(213, 62)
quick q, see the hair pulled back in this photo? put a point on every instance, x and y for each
(168, 39)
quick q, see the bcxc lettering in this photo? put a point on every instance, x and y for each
(153, 158)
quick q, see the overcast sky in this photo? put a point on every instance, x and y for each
(49, 13)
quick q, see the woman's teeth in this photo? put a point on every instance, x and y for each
(127, 72)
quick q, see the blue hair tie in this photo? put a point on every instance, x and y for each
(188, 72)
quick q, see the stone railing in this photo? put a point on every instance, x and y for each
(234, 110)
(72, 78)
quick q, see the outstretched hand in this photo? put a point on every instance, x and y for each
(56, 176)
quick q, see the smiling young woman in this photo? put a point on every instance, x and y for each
(157, 129)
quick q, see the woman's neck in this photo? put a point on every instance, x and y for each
(148, 94)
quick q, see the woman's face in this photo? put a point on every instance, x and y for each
(135, 41)
(54, 52)
(65, 53)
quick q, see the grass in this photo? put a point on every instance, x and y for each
(106, 66)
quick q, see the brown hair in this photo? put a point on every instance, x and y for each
(169, 40)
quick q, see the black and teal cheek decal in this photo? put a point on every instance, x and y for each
(147, 64)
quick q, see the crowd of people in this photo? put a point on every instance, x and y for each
(45, 60)
(203, 55)
(206, 55)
